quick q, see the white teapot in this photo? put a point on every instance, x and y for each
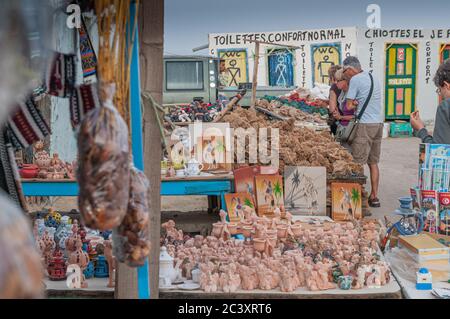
(193, 167)
(166, 268)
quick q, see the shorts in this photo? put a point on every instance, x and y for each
(366, 146)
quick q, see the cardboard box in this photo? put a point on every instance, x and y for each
(428, 253)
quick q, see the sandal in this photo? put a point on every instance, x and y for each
(374, 202)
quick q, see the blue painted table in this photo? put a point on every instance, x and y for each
(217, 185)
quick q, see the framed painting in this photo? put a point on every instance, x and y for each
(235, 203)
(346, 201)
(211, 146)
(269, 194)
(305, 190)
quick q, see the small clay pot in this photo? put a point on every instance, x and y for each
(247, 223)
(259, 244)
(232, 227)
(271, 233)
(296, 230)
(281, 231)
(247, 231)
(273, 240)
(259, 233)
(217, 229)
(29, 171)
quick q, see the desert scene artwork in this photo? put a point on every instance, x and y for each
(235, 205)
(269, 194)
(346, 201)
(305, 190)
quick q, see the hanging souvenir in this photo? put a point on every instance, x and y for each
(27, 125)
(131, 242)
(104, 170)
(87, 53)
(61, 75)
(84, 98)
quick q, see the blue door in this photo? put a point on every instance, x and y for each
(281, 69)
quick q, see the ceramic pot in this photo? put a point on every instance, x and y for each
(196, 275)
(281, 231)
(345, 282)
(232, 228)
(272, 240)
(271, 233)
(259, 244)
(247, 231)
(180, 172)
(247, 223)
(166, 268)
(217, 229)
(29, 171)
(296, 230)
(43, 162)
(260, 232)
(193, 167)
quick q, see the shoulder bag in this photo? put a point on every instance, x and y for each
(346, 134)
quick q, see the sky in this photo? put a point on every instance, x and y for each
(187, 23)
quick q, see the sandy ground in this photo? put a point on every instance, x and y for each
(398, 172)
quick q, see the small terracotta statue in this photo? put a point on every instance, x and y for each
(108, 252)
(171, 231)
(223, 216)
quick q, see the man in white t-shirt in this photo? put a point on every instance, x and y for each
(366, 146)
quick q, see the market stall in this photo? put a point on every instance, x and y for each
(81, 250)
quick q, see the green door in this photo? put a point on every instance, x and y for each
(445, 52)
(401, 68)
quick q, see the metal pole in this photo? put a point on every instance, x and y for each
(136, 134)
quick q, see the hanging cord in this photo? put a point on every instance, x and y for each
(150, 102)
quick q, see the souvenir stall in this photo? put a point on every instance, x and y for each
(417, 245)
(80, 251)
(294, 230)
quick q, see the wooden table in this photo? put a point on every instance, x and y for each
(214, 185)
(97, 289)
(390, 291)
(211, 185)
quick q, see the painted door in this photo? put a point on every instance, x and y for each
(323, 57)
(401, 68)
(281, 69)
(445, 52)
(233, 67)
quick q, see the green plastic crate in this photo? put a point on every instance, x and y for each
(401, 129)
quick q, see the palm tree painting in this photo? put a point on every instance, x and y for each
(248, 202)
(278, 192)
(235, 203)
(305, 189)
(212, 143)
(356, 201)
(269, 193)
(346, 201)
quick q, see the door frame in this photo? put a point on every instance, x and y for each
(246, 61)
(336, 45)
(387, 46)
(268, 52)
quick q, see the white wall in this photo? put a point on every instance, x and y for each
(368, 45)
(300, 38)
(371, 51)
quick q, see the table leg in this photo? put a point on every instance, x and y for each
(222, 201)
(213, 203)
